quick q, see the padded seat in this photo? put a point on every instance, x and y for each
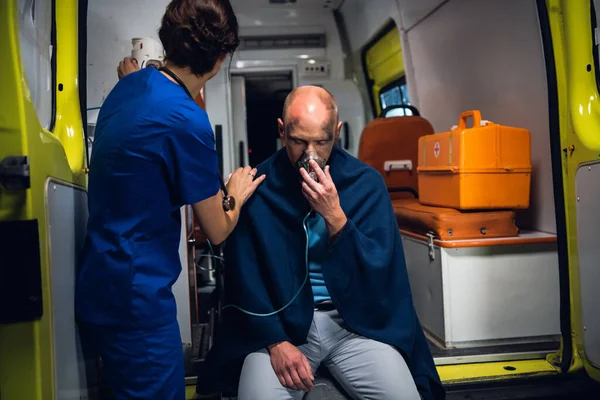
(394, 139)
(325, 387)
(451, 224)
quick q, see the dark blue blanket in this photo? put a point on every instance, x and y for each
(365, 273)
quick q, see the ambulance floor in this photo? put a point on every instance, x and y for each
(495, 352)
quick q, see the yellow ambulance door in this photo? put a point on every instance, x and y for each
(579, 123)
(42, 199)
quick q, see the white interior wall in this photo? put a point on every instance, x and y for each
(218, 107)
(470, 54)
(111, 26)
(364, 19)
(350, 106)
(412, 12)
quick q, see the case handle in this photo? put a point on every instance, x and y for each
(462, 120)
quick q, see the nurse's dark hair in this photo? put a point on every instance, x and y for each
(197, 33)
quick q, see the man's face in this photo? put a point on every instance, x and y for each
(309, 125)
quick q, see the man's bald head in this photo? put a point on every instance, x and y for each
(311, 95)
(309, 122)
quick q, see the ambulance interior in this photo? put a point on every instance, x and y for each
(479, 298)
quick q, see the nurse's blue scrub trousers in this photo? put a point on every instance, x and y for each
(139, 363)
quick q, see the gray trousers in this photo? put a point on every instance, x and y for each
(365, 368)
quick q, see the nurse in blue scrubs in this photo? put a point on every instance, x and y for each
(154, 151)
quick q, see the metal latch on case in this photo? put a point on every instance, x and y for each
(430, 246)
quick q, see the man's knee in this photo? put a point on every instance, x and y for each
(258, 380)
(393, 380)
(370, 369)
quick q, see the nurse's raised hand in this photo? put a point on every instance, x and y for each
(242, 184)
(127, 66)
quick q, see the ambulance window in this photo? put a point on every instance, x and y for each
(395, 94)
(36, 45)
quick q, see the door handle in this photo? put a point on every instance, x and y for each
(241, 154)
(346, 128)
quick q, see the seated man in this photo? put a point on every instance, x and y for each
(315, 275)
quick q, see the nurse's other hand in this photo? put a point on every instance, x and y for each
(242, 184)
(127, 66)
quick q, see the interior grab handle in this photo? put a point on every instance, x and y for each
(242, 155)
(398, 165)
(346, 128)
(219, 146)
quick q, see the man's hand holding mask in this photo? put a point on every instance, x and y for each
(323, 197)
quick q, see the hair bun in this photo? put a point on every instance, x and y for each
(198, 33)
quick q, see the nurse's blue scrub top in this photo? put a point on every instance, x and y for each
(154, 151)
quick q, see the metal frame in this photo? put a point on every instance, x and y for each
(88, 367)
(559, 194)
(576, 142)
(483, 358)
(267, 68)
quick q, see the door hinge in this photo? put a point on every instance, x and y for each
(14, 173)
(430, 245)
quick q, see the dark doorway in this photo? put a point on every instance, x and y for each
(265, 95)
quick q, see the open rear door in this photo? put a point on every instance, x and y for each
(579, 121)
(43, 198)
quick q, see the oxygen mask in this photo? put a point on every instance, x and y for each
(303, 162)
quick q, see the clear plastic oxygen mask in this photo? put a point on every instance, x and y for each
(303, 162)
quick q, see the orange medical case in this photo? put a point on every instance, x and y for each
(450, 224)
(484, 167)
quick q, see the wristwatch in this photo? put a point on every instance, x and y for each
(228, 203)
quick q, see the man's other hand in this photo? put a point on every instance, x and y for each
(127, 66)
(291, 367)
(323, 197)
